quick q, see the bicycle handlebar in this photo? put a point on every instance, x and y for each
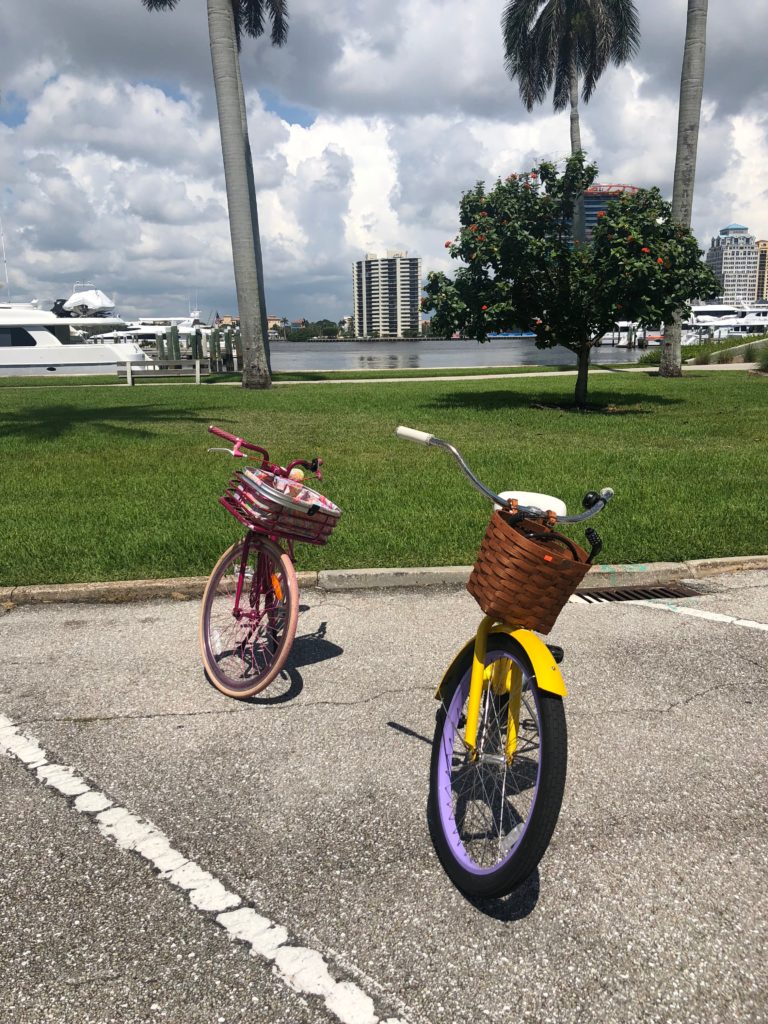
(238, 443)
(312, 465)
(597, 501)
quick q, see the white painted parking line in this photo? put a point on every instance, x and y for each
(702, 613)
(680, 609)
(303, 970)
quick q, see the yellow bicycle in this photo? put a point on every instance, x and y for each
(499, 753)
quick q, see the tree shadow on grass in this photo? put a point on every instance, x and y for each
(49, 422)
(628, 404)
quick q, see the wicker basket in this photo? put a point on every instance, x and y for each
(280, 507)
(522, 579)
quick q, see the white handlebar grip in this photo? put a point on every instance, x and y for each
(408, 434)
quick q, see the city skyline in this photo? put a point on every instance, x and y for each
(110, 164)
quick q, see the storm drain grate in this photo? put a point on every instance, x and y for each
(599, 595)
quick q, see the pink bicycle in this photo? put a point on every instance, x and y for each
(251, 600)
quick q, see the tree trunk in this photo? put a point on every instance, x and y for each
(582, 377)
(579, 222)
(254, 220)
(241, 199)
(688, 118)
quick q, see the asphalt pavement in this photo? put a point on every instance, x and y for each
(207, 860)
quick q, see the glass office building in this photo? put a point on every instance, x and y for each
(597, 199)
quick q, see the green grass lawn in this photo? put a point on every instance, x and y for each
(101, 483)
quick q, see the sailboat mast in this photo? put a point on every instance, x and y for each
(5, 261)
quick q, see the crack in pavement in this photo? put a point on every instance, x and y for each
(241, 710)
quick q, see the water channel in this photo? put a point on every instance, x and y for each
(430, 353)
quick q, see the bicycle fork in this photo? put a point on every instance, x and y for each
(505, 677)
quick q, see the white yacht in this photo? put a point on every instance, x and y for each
(147, 329)
(716, 322)
(36, 341)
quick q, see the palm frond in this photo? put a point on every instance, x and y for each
(546, 40)
(279, 12)
(527, 40)
(160, 5)
(250, 17)
(626, 31)
(561, 97)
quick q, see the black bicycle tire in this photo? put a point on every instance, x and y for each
(550, 789)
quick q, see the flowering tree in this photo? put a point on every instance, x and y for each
(522, 267)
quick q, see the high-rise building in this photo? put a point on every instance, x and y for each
(385, 295)
(761, 293)
(733, 257)
(596, 200)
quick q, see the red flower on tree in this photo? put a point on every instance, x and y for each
(484, 308)
(601, 213)
(645, 249)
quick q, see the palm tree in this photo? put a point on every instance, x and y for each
(228, 20)
(688, 118)
(561, 42)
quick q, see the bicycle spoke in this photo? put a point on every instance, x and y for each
(492, 796)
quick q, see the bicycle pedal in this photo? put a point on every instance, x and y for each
(557, 652)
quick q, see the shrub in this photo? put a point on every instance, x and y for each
(724, 357)
(748, 355)
(701, 358)
(763, 361)
(650, 358)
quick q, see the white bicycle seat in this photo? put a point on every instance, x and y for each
(545, 502)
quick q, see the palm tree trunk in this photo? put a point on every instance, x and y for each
(241, 200)
(689, 117)
(254, 220)
(579, 223)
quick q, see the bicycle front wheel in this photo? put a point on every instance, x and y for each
(492, 811)
(248, 617)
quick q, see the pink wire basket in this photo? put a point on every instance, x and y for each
(276, 505)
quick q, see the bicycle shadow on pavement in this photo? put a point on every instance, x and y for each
(515, 907)
(309, 649)
(520, 903)
(312, 648)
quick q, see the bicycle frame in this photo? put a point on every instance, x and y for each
(544, 666)
(258, 584)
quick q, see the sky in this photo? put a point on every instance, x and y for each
(366, 127)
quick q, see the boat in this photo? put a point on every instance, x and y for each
(745, 322)
(147, 329)
(86, 300)
(35, 341)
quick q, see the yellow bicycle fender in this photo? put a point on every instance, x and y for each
(545, 668)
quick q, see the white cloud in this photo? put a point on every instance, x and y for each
(110, 160)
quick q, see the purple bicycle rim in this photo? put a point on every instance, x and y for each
(445, 791)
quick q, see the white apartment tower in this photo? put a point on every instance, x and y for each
(385, 295)
(733, 256)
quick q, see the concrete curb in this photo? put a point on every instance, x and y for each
(191, 587)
